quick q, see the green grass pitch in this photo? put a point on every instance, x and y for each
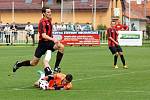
(94, 77)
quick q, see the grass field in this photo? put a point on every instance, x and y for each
(94, 77)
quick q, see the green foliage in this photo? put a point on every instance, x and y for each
(101, 27)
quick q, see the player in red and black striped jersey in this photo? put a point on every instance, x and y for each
(113, 44)
(46, 43)
(118, 26)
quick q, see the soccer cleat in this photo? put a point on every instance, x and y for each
(115, 66)
(125, 67)
(57, 70)
(15, 67)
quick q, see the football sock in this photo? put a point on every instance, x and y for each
(122, 59)
(47, 71)
(115, 59)
(58, 59)
(24, 63)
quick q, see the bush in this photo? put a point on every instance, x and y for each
(101, 27)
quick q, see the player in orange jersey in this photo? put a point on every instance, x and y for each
(58, 81)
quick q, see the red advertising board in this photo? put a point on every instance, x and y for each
(79, 39)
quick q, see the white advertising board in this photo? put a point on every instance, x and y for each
(130, 38)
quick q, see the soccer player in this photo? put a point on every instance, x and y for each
(46, 42)
(114, 45)
(119, 26)
(58, 81)
(125, 27)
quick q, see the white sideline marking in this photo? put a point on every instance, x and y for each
(90, 78)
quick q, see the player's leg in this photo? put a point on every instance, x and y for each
(41, 75)
(32, 62)
(120, 51)
(47, 68)
(38, 53)
(60, 47)
(115, 53)
(115, 59)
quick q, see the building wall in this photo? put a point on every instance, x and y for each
(23, 16)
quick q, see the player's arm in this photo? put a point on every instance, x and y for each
(109, 36)
(68, 86)
(113, 40)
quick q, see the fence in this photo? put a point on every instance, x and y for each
(20, 38)
(16, 38)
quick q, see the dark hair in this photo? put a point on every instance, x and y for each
(69, 77)
(44, 9)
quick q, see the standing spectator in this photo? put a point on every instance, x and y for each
(14, 32)
(70, 27)
(133, 27)
(55, 27)
(77, 27)
(1, 31)
(87, 27)
(114, 45)
(59, 27)
(30, 32)
(7, 33)
(63, 27)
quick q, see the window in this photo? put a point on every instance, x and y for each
(84, 0)
(50, 2)
(28, 1)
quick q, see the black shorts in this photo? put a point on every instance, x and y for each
(115, 49)
(43, 46)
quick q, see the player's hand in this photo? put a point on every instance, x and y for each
(118, 46)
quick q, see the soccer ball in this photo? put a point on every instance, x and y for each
(43, 84)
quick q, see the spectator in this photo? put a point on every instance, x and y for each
(1, 31)
(63, 27)
(70, 27)
(30, 32)
(55, 27)
(77, 27)
(7, 33)
(87, 27)
(133, 27)
(14, 32)
(59, 28)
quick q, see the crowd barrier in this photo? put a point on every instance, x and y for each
(80, 38)
(16, 38)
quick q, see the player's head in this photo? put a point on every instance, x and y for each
(69, 78)
(46, 11)
(118, 21)
(113, 23)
